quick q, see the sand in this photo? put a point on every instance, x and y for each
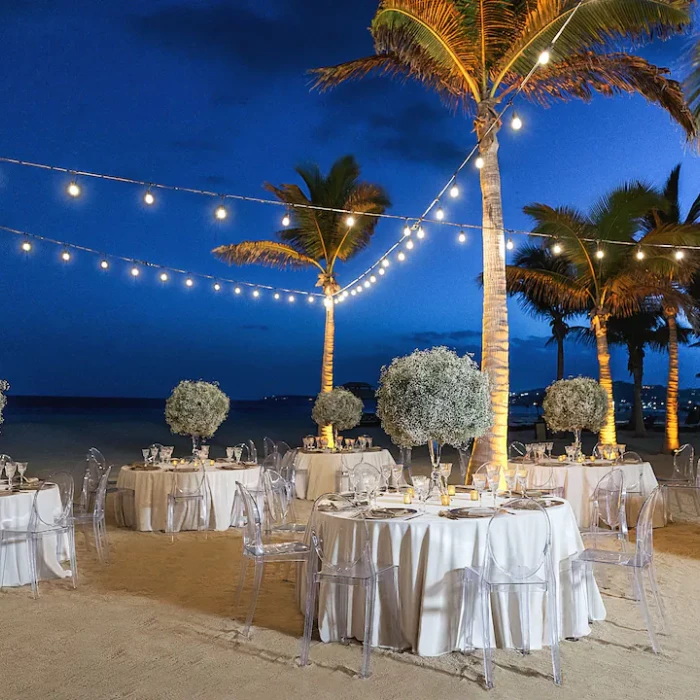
(158, 623)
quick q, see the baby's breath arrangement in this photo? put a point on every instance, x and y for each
(339, 408)
(574, 405)
(196, 409)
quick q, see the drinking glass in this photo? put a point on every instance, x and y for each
(350, 443)
(549, 446)
(237, 453)
(166, 453)
(522, 478)
(323, 443)
(146, 452)
(154, 454)
(362, 443)
(621, 449)
(10, 470)
(421, 485)
(397, 474)
(510, 474)
(339, 443)
(21, 470)
(479, 483)
(204, 452)
(493, 474)
(528, 450)
(570, 453)
(229, 454)
(369, 442)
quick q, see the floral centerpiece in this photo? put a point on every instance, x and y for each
(196, 409)
(338, 408)
(574, 405)
(4, 386)
(434, 396)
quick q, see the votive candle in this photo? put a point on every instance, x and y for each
(445, 499)
(407, 498)
(451, 490)
(474, 495)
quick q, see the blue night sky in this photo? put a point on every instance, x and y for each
(214, 95)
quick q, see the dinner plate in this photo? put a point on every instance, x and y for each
(467, 513)
(389, 513)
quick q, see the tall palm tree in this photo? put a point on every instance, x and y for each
(676, 277)
(693, 83)
(476, 54)
(604, 280)
(537, 258)
(319, 239)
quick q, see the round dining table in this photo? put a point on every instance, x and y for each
(147, 509)
(430, 553)
(318, 472)
(579, 481)
(15, 512)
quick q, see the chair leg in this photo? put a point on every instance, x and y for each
(34, 574)
(468, 607)
(3, 559)
(486, 636)
(257, 582)
(98, 540)
(309, 613)
(241, 584)
(644, 607)
(73, 558)
(696, 498)
(370, 593)
(105, 540)
(651, 573)
(342, 599)
(524, 604)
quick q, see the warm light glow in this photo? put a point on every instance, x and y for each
(421, 233)
(509, 244)
(74, 189)
(353, 293)
(189, 282)
(543, 58)
(599, 254)
(401, 256)
(680, 255)
(65, 256)
(454, 191)
(440, 214)
(556, 249)
(372, 279)
(328, 303)
(381, 270)
(516, 122)
(217, 287)
(385, 262)
(163, 276)
(237, 290)
(639, 254)
(462, 238)
(409, 245)
(135, 271)
(479, 162)
(406, 230)
(345, 295)
(221, 212)
(350, 221)
(256, 293)
(26, 246)
(104, 264)
(358, 288)
(277, 296)
(310, 299)
(367, 284)
(291, 297)
(286, 220)
(149, 198)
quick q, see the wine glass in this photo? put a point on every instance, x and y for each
(521, 476)
(204, 452)
(549, 446)
(155, 451)
(493, 473)
(166, 453)
(229, 454)
(479, 483)
(397, 474)
(510, 474)
(237, 453)
(146, 452)
(10, 470)
(350, 444)
(21, 470)
(421, 485)
(369, 442)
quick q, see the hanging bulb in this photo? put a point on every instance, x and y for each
(479, 162)
(26, 246)
(381, 271)
(73, 189)
(462, 238)
(163, 276)
(328, 303)
(291, 297)
(372, 279)
(599, 254)
(65, 256)
(401, 256)
(407, 230)
(516, 122)
(220, 213)
(310, 299)
(353, 292)
(286, 220)
(345, 295)
(409, 245)
(189, 282)
(135, 272)
(350, 221)
(358, 289)
(148, 198)
(679, 255)
(543, 58)
(556, 249)
(639, 254)
(277, 296)
(217, 287)
(367, 284)
(509, 244)
(454, 191)
(237, 290)
(421, 233)
(104, 264)
(440, 214)
(385, 262)
(256, 293)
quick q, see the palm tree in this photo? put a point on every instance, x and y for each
(605, 280)
(535, 257)
(319, 239)
(476, 54)
(675, 277)
(693, 83)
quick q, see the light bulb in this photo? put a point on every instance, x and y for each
(163, 276)
(345, 295)
(421, 233)
(217, 287)
(74, 189)
(401, 256)
(454, 191)
(599, 254)
(353, 292)
(543, 58)
(277, 296)
(189, 282)
(26, 246)
(237, 290)
(409, 245)
(104, 264)
(367, 284)
(556, 249)
(328, 303)
(462, 238)
(516, 123)
(291, 297)
(310, 299)
(381, 270)
(406, 230)
(65, 256)
(509, 244)
(372, 279)
(385, 262)
(359, 289)
(680, 255)
(479, 162)
(335, 301)
(639, 254)
(256, 293)
(221, 212)
(149, 198)
(440, 214)
(286, 220)
(350, 221)
(135, 271)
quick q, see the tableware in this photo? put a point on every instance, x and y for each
(389, 513)
(166, 453)
(146, 452)
(369, 442)
(396, 475)
(362, 443)
(21, 470)
(10, 470)
(465, 513)
(493, 473)
(479, 484)
(421, 486)
(532, 504)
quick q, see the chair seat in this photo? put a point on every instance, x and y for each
(360, 572)
(683, 483)
(82, 518)
(605, 556)
(279, 548)
(294, 528)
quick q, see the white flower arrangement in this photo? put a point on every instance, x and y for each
(575, 404)
(339, 408)
(4, 386)
(434, 395)
(196, 409)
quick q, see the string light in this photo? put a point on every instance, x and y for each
(367, 284)
(237, 290)
(440, 214)
(350, 221)
(516, 122)
(385, 262)
(358, 289)
(163, 276)
(26, 246)
(291, 297)
(217, 287)
(409, 245)
(256, 293)
(353, 292)
(286, 220)
(135, 272)
(407, 230)
(189, 282)
(479, 163)
(381, 271)
(454, 191)
(543, 58)
(73, 189)
(421, 233)
(600, 254)
(679, 255)
(148, 198)
(509, 244)
(277, 295)
(462, 238)
(372, 279)
(328, 303)
(639, 254)
(401, 256)
(556, 249)
(310, 299)
(65, 256)
(104, 264)
(221, 212)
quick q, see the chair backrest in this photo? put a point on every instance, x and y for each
(481, 470)
(4, 459)
(598, 450)
(543, 477)
(252, 451)
(630, 457)
(288, 466)
(516, 450)
(535, 533)
(277, 494)
(683, 459)
(365, 478)
(282, 448)
(609, 499)
(269, 446)
(188, 483)
(101, 494)
(347, 552)
(697, 474)
(644, 551)
(41, 516)
(252, 533)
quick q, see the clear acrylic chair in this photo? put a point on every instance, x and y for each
(95, 517)
(516, 450)
(43, 522)
(543, 478)
(94, 469)
(609, 508)
(522, 574)
(630, 457)
(269, 447)
(279, 506)
(685, 477)
(188, 488)
(288, 470)
(347, 564)
(281, 447)
(365, 478)
(638, 562)
(254, 549)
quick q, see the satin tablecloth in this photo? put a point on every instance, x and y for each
(579, 482)
(319, 472)
(430, 552)
(151, 489)
(15, 511)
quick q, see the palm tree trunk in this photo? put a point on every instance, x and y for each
(327, 362)
(608, 435)
(671, 441)
(493, 447)
(637, 365)
(560, 358)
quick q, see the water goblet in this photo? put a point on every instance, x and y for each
(237, 453)
(421, 485)
(479, 483)
(10, 470)
(229, 454)
(361, 443)
(21, 470)
(522, 479)
(369, 442)
(510, 474)
(204, 451)
(397, 475)
(155, 451)
(166, 453)
(146, 452)
(549, 446)
(493, 473)
(350, 443)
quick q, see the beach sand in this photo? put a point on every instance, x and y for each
(158, 623)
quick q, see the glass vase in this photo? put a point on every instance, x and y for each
(196, 444)
(577, 442)
(435, 450)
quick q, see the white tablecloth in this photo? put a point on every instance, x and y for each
(15, 510)
(430, 552)
(319, 472)
(151, 489)
(579, 482)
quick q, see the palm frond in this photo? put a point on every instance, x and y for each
(693, 216)
(692, 83)
(549, 287)
(267, 253)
